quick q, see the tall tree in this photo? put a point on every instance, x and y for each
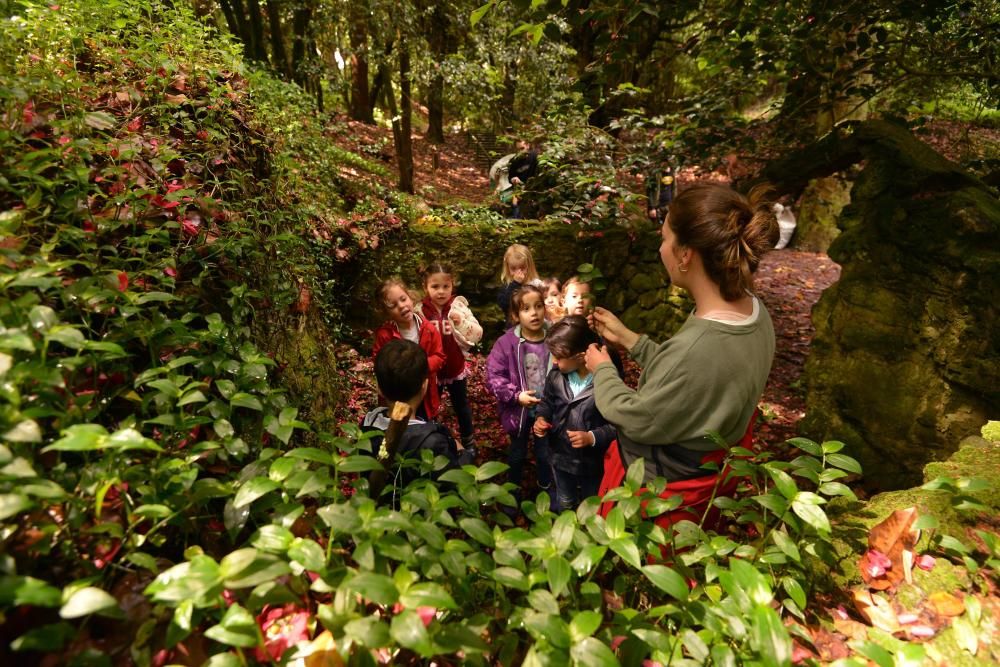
(361, 107)
(279, 57)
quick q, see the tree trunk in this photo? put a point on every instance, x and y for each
(435, 110)
(279, 57)
(381, 79)
(256, 31)
(303, 14)
(361, 106)
(404, 152)
(236, 15)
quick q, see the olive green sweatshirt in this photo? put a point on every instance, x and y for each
(707, 378)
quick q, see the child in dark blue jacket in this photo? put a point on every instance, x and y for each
(577, 433)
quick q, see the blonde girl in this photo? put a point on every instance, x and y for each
(518, 269)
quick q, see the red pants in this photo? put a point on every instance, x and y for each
(696, 493)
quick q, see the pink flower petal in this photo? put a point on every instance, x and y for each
(907, 619)
(426, 614)
(925, 562)
(921, 631)
(617, 641)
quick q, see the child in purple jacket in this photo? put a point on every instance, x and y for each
(515, 374)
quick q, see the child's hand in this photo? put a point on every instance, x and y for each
(540, 427)
(527, 398)
(455, 317)
(580, 439)
(519, 275)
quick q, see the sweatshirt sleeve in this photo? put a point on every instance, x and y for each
(643, 351)
(544, 409)
(382, 336)
(434, 348)
(644, 415)
(603, 435)
(498, 379)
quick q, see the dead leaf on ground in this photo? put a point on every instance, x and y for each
(876, 610)
(895, 538)
(945, 604)
(831, 646)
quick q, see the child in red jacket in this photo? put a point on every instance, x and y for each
(439, 284)
(404, 322)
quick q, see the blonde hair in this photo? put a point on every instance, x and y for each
(572, 280)
(383, 289)
(518, 252)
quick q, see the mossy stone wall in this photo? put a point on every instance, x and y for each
(906, 357)
(638, 288)
(819, 209)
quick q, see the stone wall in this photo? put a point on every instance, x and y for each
(906, 357)
(638, 288)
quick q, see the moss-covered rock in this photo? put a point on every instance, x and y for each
(819, 210)
(852, 520)
(906, 357)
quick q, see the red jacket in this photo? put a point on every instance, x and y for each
(454, 359)
(430, 341)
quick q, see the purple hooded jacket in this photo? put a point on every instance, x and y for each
(505, 379)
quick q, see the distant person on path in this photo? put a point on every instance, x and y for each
(518, 269)
(511, 171)
(578, 435)
(456, 325)
(709, 376)
(661, 186)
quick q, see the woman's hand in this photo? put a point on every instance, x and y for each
(611, 328)
(540, 427)
(527, 398)
(596, 356)
(580, 439)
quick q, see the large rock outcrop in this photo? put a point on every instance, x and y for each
(906, 357)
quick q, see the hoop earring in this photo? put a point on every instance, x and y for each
(683, 269)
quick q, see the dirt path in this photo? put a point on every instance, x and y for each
(790, 282)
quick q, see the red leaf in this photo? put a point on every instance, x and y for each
(202, 135)
(170, 271)
(63, 140)
(29, 112)
(122, 281)
(135, 124)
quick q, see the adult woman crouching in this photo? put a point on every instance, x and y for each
(710, 375)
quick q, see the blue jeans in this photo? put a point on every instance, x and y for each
(459, 392)
(571, 489)
(518, 454)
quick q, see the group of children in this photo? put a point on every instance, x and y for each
(535, 370)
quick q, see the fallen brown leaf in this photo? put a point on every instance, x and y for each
(876, 610)
(945, 604)
(895, 538)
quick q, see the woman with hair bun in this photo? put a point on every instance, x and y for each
(708, 377)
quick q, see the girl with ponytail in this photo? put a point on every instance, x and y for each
(708, 377)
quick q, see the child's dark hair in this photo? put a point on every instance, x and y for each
(517, 298)
(400, 369)
(436, 267)
(570, 336)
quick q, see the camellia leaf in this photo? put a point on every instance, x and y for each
(592, 652)
(254, 489)
(376, 587)
(667, 580)
(769, 637)
(408, 629)
(237, 628)
(427, 594)
(558, 571)
(89, 600)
